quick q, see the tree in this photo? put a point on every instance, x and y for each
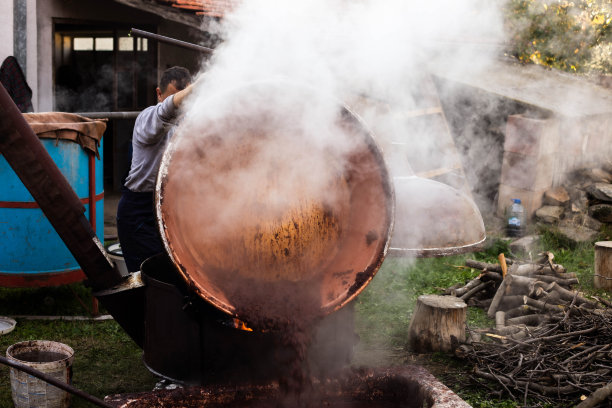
(571, 36)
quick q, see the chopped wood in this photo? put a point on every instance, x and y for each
(476, 289)
(603, 301)
(529, 320)
(499, 294)
(503, 264)
(553, 362)
(489, 275)
(549, 297)
(543, 306)
(484, 265)
(480, 303)
(510, 302)
(569, 295)
(521, 310)
(449, 291)
(500, 319)
(466, 288)
(563, 282)
(550, 342)
(598, 396)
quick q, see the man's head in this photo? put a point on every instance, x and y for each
(173, 79)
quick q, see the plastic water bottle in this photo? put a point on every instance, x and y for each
(515, 219)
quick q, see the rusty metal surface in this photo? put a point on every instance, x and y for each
(409, 386)
(434, 219)
(330, 239)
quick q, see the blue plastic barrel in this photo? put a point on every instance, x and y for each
(31, 252)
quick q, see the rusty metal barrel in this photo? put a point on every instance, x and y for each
(274, 196)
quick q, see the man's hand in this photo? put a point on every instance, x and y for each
(181, 95)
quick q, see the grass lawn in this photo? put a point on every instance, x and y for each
(107, 361)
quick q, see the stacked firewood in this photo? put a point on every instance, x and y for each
(549, 342)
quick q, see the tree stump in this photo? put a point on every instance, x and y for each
(438, 323)
(603, 265)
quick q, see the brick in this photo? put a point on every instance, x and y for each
(529, 136)
(528, 172)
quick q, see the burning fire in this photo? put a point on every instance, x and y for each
(240, 325)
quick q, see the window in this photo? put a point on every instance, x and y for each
(83, 44)
(126, 44)
(104, 43)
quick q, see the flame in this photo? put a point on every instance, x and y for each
(240, 325)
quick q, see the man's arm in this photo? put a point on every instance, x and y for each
(154, 122)
(180, 96)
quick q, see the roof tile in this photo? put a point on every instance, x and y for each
(211, 8)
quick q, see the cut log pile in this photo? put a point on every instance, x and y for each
(550, 342)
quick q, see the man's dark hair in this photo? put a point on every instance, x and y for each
(179, 75)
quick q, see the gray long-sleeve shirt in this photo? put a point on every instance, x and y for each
(153, 129)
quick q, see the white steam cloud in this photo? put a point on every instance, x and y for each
(340, 46)
(351, 51)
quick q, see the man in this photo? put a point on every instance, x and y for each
(136, 224)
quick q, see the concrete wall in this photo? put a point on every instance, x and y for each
(6, 29)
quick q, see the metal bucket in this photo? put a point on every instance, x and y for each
(187, 340)
(49, 357)
(255, 211)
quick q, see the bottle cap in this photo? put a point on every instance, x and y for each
(516, 200)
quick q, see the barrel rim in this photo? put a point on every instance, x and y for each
(365, 276)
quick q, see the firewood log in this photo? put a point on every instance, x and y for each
(530, 320)
(484, 265)
(569, 295)
(490, 276)
(566, 283)
(500, 319)
(497, 298)
(599, 395)
(449, 291)
(466, 288)
(510, 302)
(544, 307)
(521, 311)
(482, 286)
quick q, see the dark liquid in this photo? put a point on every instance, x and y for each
(38, 356)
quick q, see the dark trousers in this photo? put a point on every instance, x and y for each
(137, 228)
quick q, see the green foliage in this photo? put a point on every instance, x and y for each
(493, 247)
(73, 299)
(570, 36)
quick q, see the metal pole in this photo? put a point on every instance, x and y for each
(173, 41)
(54, 381)
(109, 115)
